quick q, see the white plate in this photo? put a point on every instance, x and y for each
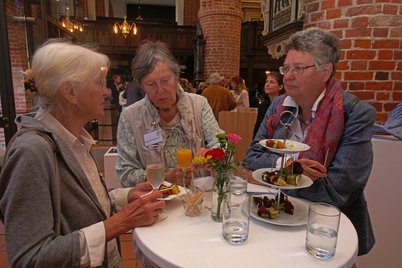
(291, 146)
(304, 181)
(172, 196)
(298, 218)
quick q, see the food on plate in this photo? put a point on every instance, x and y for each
(276, 144)
(268, 208)
(167, 190)
(286, 176)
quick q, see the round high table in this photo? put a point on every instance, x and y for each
(182, 241)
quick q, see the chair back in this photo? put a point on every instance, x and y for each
(240, 122)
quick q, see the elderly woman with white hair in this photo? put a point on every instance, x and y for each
(56, 209)
(167, 113)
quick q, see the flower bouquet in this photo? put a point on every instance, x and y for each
(221, 160)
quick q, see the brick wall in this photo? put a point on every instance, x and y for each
(371, 43)
(18, 58)
(221, 25)
(190, 15)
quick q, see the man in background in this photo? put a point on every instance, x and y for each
(219, 97)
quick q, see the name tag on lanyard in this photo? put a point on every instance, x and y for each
(153, 137)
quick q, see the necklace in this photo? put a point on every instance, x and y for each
(306, 123)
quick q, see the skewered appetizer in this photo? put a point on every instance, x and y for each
(286, 176)
(267, 208)
(168, 190)
(276, 144)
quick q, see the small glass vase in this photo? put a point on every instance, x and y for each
(220, 192)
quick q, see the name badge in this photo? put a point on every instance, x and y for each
(153, 137)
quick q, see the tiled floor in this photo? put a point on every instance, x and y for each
(127, 251)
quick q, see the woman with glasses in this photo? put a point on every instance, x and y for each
(334, 123)
(56, 209)
(167, 115)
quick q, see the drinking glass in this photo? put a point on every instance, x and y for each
(184, 156)
(155, 175)
(322, 230)
(236, 211)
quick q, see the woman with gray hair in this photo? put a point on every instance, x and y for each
(167, 115)
(334, 123)
(56, 209)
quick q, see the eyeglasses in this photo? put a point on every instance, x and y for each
(294, 70)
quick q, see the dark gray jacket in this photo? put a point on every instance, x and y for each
(28, 202)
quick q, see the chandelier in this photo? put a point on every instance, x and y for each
(125, 28)
(69, 25)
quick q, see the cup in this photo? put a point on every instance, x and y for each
(322, 230)
(236, 212)
(193, 204)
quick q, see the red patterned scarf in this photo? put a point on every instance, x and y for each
(326, 129)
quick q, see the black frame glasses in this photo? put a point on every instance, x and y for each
(294, 70)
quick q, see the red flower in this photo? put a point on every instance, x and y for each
(216, 154)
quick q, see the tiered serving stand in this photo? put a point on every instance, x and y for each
(291, 147)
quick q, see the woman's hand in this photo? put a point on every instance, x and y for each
(143, 211)
(138, 191)
(312, 169)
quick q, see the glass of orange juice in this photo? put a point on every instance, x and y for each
(184, 156)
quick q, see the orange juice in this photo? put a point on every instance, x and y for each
(183, 157)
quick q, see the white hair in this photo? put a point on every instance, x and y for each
(56, 63)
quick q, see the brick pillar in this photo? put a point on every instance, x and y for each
(221, 25)
(371, 42)
(191, 8)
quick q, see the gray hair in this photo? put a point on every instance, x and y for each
(58, 61)
(148, 55)
(323, 45)
(215, 78)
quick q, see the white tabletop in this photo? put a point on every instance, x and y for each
(181, 241)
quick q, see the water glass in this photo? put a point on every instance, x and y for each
(322, 230)
(236, 211)
(238, 178)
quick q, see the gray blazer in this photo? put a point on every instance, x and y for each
(348, 172)
(28, 202)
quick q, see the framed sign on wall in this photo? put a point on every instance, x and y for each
(281, 19)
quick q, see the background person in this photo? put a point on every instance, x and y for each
(335, 124)
(240, 92)
(153, 126)
(219, 97)
(71, 87)
(273, 87)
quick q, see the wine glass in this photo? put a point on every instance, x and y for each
(184, 156)
(155, 175)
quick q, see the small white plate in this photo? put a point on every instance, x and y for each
(291, 146)
(172, 196)
(304, 181)
(298, 218)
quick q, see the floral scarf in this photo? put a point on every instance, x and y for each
(326, 129)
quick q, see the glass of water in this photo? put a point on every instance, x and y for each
(322, 230)
(236, 210)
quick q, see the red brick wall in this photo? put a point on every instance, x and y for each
(18, 58)
(221, 25)
(190, 15)
(371, 43)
